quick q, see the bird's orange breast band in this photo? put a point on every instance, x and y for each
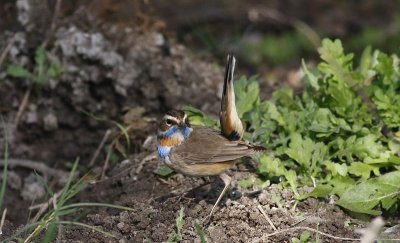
(170, 142)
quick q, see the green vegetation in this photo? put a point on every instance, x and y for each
(340, 135)
(49, 224)
(177, 236)
(279, 48)
(42, 72)
(304, 238)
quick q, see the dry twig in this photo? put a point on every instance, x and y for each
(22, 107)
(7, 49)
(266, 217)
(53, 25)
(105, 166)
(3, 218)
(44, 206)
(312, 230)
(139, 168)
(100, 147)
(38, 166)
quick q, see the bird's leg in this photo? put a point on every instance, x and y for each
(205, 183)
(180, 195)
(227, 181)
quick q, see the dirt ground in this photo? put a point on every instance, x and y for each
(238, 220)
(111, 69)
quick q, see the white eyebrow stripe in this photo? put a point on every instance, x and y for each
(184, 117)
(171, 117)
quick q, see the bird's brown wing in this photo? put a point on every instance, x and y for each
(231, 125)
(205, 145)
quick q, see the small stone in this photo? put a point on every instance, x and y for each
(123, 227)
(32, 189)
(14, 180)
(124, 217)
(50, 122)
(31, 114)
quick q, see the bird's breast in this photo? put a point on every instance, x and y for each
(172, 141)
(200, 169)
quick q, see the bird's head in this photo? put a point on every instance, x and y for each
(174, 128)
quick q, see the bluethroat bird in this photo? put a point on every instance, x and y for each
(202, 151)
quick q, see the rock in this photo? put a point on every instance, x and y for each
(14, 180)
(50, 122)
(32, 189)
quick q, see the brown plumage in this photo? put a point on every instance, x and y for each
(206, 153)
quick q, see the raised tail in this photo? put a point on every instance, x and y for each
(231, 125)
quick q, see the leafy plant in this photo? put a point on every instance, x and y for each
(304, 238)
(177, 236)
(42, 72)
(340, 135)
(200, 232)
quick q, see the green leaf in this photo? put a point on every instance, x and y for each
(365, 196)
(246, 183)
(336, 168)
(247, 93)
(366, 63)
(273, 113)
(365, 148)
(180, 222)
(40, 58)
(321, 190)
(163, 170)
(385, 67)
(341, 184)
(200, 232)
(306, 152)
(311, 79)
(305, 236)
(325, 123)
(177, 236)
(300, 149)
(388, 104)
(336, 62)
(268, 165)
(363, 170)
(55, 70)
(291, 176)
(18, 71)
(197, 117)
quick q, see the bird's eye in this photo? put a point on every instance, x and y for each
(168, 122)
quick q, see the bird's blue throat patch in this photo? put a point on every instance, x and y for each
(171, 131)
(163, 151)
(186, 131)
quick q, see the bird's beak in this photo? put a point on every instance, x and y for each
(182, 125)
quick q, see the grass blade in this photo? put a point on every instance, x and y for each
(5, 169)
(87, 226)
(89, 204)
(67, 186)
